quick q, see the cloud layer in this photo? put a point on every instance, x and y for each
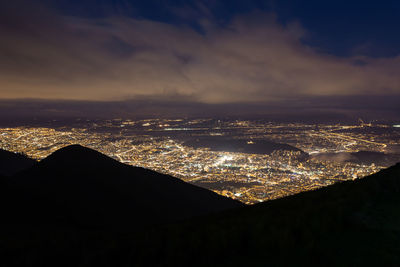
(253, 58)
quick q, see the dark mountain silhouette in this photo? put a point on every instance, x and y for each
(81, 186)
(11, 163)
(352, 223)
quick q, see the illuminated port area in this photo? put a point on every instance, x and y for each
(295, 158)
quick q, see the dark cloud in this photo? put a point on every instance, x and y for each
(253, 58)
(306, 109)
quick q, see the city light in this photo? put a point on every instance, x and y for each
(248, 177)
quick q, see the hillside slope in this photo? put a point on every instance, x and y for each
(353, 223)
(11, 163)
(77, 185)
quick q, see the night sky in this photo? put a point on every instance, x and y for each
(213, 52)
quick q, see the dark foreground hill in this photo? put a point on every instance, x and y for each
(11, 163)
(355, 223)
(79, 186)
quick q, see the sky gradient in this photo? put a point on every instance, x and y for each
(212, 52)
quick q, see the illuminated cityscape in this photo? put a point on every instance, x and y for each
(296, 158)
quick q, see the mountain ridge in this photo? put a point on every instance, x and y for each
(80, 180)
(11, 163)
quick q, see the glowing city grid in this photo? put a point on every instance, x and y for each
(159, 144)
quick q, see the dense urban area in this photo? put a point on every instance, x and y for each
(251, 161)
